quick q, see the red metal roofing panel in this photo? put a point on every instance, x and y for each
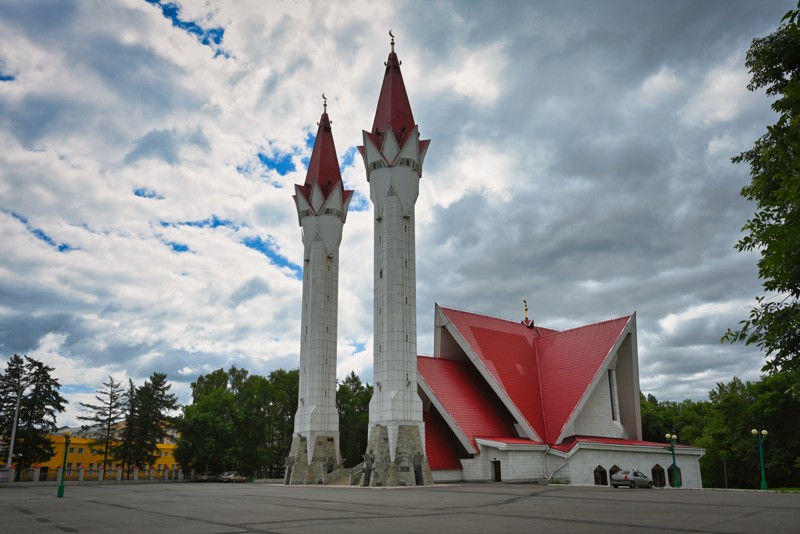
(568, 362)
(506, 350)
(441, 447)
(466, 397)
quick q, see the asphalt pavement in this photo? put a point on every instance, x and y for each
(201, 508)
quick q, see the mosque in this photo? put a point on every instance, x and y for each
(500, 400)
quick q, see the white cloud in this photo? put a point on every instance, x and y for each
(657, 88)
(721, 97)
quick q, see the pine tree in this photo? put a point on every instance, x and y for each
(30, 381)
(106, 415)
(150, 421)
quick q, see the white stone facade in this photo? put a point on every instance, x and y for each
(540, 463)
(317, 419)
(394, 187)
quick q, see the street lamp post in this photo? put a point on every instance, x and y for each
(671, 438)
(14, 430)
(67, 436)
(760, 437)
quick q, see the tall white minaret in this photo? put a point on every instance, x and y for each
(322, 204)
(393, 155)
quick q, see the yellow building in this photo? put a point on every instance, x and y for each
(82, 454)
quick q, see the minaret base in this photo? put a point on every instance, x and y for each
(410, 466)
(324, 460)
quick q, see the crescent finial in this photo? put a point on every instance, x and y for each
(324, 103)
(392, 36)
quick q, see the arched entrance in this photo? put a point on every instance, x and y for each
(659, 476)
(600, 476)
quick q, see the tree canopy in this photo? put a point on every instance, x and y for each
(722, 425)
(774, 230)
(29, 382)
(238, 421)
(245, 422)
(352, 403)
(148, 421)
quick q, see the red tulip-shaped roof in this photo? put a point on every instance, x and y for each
(323, 168)
(393, 108)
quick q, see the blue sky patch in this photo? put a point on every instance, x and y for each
(358, 203)
(42, 235)
(211, 37)
(71, 389)
(147, 193)
(177, 247)
(360, 346)
(310, 139)
(348, 158)
(6, 77)
(268, 249)
(211, 222)
(280, 163)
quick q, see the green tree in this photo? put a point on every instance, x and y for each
(285, 392)
(208, 431)
(29, 381)
(122, 450)
(239, 421)
(105, 415)
(685, 418)
(774, 230)
(731, 451)
(147, 422)
(352, 403)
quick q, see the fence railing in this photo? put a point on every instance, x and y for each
(43, 474)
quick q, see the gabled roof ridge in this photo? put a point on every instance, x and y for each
(573, 329)
(511, 321)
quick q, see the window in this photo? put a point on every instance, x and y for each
(659, 477)
(80, 450)
(91, 466)
(71, 450)
(612, 387)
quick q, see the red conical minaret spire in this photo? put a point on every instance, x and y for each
(393, 109)
(323, 168)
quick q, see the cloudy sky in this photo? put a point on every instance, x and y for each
(580, 157)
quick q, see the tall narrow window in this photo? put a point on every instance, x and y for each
(611, 392)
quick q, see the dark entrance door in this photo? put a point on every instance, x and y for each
(496, 471)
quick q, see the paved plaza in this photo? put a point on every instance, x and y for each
(241, 508)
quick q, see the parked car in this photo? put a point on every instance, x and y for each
(631, 478)
(207, 477)
(231, 476)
